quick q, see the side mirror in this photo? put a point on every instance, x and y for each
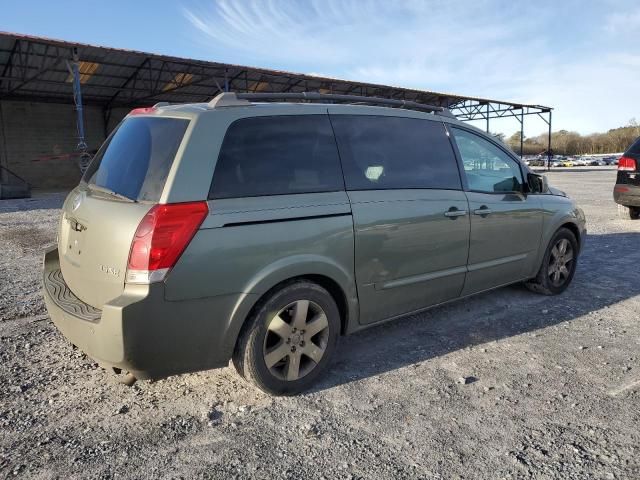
(537, 183)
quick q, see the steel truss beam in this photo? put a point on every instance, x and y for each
(156, 78)
(17, 71)
(470, 110)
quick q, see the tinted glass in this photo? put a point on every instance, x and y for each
(487, 167)
(394, 153)
(136, 159)
(276, 156)
(635, 147)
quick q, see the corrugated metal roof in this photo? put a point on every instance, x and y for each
(35, 68)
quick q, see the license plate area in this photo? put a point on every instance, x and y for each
(74, 239)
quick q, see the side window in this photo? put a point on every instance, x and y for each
(277, 155)
(381, 152)
(487, 167)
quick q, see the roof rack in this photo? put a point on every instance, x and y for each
(233, 99)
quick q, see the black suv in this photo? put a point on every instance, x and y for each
(626, 193)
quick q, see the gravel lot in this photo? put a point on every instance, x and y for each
(553, 383)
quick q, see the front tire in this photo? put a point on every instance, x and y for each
(289, 339)
(558, 264)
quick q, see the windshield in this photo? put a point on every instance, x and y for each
(135, 160)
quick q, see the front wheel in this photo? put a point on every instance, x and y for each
(558, 265)
(289, 339)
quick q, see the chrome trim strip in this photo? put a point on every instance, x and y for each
(402, 282)
(495, 263)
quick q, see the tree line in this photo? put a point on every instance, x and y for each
(565, 142)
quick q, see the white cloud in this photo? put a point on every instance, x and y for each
(625, 21)
(568, 55)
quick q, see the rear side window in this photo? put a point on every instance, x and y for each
(392, 153)
(135, 160)
(635, 147)
(277, 155)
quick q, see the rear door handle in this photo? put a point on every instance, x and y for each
(482, 211)
(455, 213)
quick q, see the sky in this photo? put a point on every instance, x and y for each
(579, 57)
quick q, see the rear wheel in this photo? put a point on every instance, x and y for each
(289, 339)
(558, 265)
(627, 213)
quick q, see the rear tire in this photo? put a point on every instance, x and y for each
(558, 264)
(628, 213)
(289, 339)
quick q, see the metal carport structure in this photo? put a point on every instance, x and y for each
(46, 70)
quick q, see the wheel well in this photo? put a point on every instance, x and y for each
(574, 229)
(338, 296)
(327, 283)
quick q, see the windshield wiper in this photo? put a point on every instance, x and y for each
(108, 191)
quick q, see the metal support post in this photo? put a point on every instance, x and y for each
(487, 118)
(81, 147)
(549, 152)
(521, 132)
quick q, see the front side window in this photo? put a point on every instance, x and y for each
(277, 155)
(487, 167)
(380, 152)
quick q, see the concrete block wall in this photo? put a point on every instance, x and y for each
(37, 140)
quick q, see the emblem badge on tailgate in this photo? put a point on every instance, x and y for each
(110, 270)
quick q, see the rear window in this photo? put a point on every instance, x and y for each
(135, 160)
(394, 153)
(277, 155)
(635, 147)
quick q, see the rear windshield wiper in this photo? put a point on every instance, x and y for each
(108, 191)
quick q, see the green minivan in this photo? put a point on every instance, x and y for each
(262, 231)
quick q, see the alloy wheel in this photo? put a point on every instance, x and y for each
(296, 340)
(560, 262)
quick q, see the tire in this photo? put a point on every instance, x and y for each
(629, 213)
(551, 279)
(276, 350)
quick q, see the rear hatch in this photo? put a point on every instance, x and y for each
(101, 215)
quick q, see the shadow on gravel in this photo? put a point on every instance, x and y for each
(39, 201)
(607, 274)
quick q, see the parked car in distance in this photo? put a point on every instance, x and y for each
(626, 192)
(538, 162)
(261, 232)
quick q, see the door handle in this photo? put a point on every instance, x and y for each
(484, 210)
(451, 213)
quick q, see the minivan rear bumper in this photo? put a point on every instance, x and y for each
(141, 332)
(627, 195)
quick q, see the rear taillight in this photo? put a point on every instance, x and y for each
(626, 163)
(161, 237)
(142, 111)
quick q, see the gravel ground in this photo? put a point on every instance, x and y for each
(507, 384)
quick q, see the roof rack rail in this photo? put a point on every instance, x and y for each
(230, 99)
